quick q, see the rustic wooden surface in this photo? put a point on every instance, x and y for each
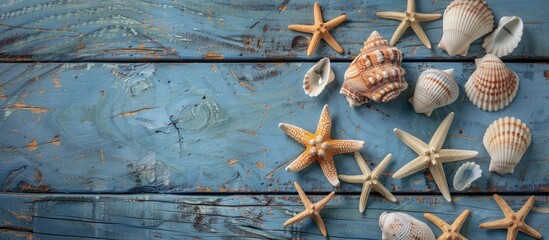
(159, 119)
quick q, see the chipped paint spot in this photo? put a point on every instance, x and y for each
(251, 132)
(260, 165)
(212, 55)
(247, 86)
(57, 82)
(283, 6)
(131, 113)
(33, 109)
(201, 189)
(32, 146)
(232, 161)
(102, 155)
(546, 73)
(214, 68)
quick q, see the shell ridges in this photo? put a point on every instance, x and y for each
(506, 141)
(434, 89)
(401, 226)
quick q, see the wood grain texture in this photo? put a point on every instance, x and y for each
(76, 30)
(202, 127)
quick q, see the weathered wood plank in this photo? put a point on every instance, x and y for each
(40, 30)
(214, 127)
(37, 216)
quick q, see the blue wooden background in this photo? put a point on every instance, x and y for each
(159, 119)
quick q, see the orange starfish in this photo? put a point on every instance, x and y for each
(320, 30)
(514, 222)
(311, 210)
(319, 147)
(449, 232)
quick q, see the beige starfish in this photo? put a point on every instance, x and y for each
(432, 156)
(311, 209)
(319, 147)
(449, 232)
(410, 18)
(320, 30)
(514, 222)
(369, 179)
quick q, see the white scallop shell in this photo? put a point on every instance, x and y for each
(401, 226)
(435, 88)
(318, 77)
(493, 85)
(463, 22)
(466, 174)
(506, 140)
(505, 38)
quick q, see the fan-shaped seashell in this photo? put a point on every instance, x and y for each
(506, 140)
(435, 88)
(492, 86)
(375, 74)
(505, 38)
(463, 22)
(401, 226)
(466, 174)
(318, 77)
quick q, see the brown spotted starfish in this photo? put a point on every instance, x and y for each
(319, 147)
(410, 19)
(514, 222)
(320, 30)
(449, 232)
(311, 210)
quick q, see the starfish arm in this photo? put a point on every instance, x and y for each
(437, 221)
(313, 43)
(302, 28)
(530, 231)
(336, 21)
(512, 233)
(526, 208)
(304, 199)
(412, 167)
(460, 220)
(399, 31)
(366, 188)
(320, 204)
(318, 13)
(507, 211)
(427, 16)
(392, 15)
(362, 164)
(345, 146)
(381, 166)
(440, 179)
(299, 134)
(328, 168)
(351, 179)
(438, 138)
(297, 218)
(411, 6)
(421, 34)
(385, 192)
(411, 141)
(332, 42)
(451, 155)
(499, 224)
(303, 161)
(324, 124)
(320, 223)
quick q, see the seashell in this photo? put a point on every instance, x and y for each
(435, 88)
(318, 77)
(375, 74)
(505, 38)
(506, 140)
(463, 22)
(492, 86)
(466, 174)
(401, 226)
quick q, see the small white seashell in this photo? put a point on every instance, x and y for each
(435, 88)
(318, 77)
(401, 226)
(506, 140)
(505, 38)
(466, 174)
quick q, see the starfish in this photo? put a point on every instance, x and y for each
(311, 209)
(410, 18)
(449, 232)
(369, 179)
(319, 147)
(320, 30)
(431, 155)
(514, 222)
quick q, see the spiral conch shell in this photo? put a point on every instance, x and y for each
(435, 88)
(506, 140)
(401, 226)
(375, 74)
(493, 85)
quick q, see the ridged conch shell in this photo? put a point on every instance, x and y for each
(401, 226)
(505, 38)
(375, 74)
(435, 88)
(506, 140)
(318, 77)
(463, 22)
(466, 174)
(492, 86)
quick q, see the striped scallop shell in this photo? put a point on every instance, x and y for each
(506, 140)
(463, 22)
(375, 74)
(492, 86)
(401, 226)
(435, 88)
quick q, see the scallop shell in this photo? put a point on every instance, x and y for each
(401, 226)
(506, 140)
(318, 77)
(492, 86)
(435, 88)
(505, 38)
(464, 21)
(375, 74)
(466, 174)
